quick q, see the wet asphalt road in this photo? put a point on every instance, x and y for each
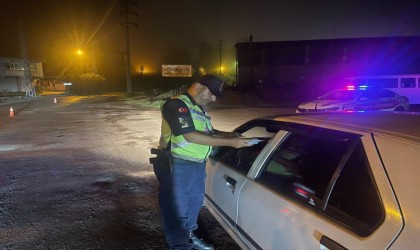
(75, 175)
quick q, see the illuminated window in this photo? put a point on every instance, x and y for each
(33, 67)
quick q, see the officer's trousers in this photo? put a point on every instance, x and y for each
(181, 195)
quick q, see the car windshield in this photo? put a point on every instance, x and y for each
(340, 95)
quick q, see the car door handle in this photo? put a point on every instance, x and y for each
(327, 243)
(230, 182)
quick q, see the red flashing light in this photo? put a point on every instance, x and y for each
(361, 87)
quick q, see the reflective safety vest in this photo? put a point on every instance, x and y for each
(181, 148)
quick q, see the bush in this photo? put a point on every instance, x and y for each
(88, 83)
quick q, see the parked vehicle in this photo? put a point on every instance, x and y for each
(406, 85)
(332, 180)
(361, 99)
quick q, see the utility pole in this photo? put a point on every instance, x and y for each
(251, 71)
(220, 58)
(27, 78)
(126, 14)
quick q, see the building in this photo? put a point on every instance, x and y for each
(12, 74)
(319, 65)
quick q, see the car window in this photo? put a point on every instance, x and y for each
(241, 159)
(384, 93)
(302, 166)
(383, 82)
(360, 81)
(308, 162)
(340, 95)
(354, 199)
(376, 94)
(367, 95)
(408, 82)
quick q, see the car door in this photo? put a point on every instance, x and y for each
(319, 188)
(222, 184)
(376, 99)
(227, 171)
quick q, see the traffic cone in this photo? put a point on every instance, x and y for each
(55, 100)
(11, 113)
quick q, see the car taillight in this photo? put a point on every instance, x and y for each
(301, 192)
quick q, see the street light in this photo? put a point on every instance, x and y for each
(80, 66)
(79, 52)
(85, 62)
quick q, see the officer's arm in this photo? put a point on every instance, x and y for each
(204, 139)
(225, 134)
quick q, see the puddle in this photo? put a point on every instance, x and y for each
(4, 148)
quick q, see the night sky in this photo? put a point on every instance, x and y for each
(189, 31)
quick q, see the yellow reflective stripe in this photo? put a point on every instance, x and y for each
(191, 151)
(186, 157)
(179, 144)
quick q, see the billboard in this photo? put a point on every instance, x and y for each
(176, 71)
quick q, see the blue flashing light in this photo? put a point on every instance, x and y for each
(361, 87)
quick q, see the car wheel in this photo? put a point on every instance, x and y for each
(399, 109)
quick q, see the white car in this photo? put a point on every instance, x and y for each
(331, 180)
(363, 99)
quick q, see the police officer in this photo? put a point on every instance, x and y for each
(189, 135)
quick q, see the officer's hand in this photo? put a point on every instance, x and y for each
(240, 142)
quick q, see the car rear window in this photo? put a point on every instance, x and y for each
(354, 199)
(325, 170)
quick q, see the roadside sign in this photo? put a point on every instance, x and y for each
(176, 71)
(67, 84)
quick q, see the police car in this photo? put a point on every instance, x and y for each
(320, 180)
(360, 99)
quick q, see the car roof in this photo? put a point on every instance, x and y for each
(370, 89)
(404, 125)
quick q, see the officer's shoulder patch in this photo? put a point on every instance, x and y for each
(185, 122)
